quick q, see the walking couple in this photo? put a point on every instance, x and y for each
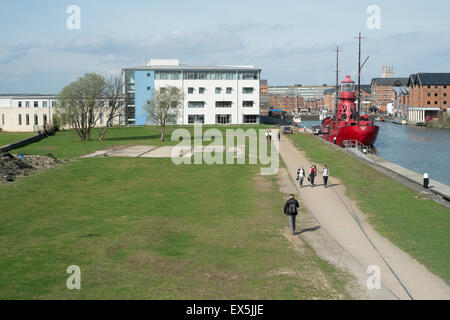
(312, 174)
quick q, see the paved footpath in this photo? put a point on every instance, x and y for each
(403, 276)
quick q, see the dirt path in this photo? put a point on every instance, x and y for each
(352, 243)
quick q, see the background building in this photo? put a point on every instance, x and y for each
(428, 95)
(212, 95)
(382, 90)
(26, 112)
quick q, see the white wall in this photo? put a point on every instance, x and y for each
(210, 97)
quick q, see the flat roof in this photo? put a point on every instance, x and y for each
(194, 68)
(26, 95)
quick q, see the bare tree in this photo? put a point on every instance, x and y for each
(114, 101)
(165, 106)
(80, 104)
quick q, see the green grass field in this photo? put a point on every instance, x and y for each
(142, 228)
(66, 143)
(10, 137)
(415, 224)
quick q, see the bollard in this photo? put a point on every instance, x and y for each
(425, 180)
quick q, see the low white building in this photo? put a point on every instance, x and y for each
(26, 112)
(212, 95)
(31, 112)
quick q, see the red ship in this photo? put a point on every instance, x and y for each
(347, 125)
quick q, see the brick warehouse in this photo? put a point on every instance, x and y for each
(428, 95)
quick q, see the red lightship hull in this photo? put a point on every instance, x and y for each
(366, 134)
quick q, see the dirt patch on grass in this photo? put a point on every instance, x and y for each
(261, 183)
(13, 166)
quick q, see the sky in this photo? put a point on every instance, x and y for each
(292, 41)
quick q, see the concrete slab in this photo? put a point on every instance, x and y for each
(161, 152)
(131, 152)
(96, 154)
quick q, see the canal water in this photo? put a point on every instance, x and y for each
(415, 148)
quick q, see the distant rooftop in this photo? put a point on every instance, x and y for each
(430, 79)
(397, 82)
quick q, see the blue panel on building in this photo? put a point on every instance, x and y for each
(144, 86)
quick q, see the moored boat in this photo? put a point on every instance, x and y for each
(347, 124)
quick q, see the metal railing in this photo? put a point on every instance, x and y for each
(356, 145)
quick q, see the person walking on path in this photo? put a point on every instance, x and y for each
(300, 176)
(325, 174)
(290, 209)
(267, 134)
(270, 134)
(312, 174)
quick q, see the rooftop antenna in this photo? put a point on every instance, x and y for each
(337, 78)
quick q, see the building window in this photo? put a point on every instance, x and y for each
(435, 102)
(435, 94)
(196, 104)
(190, 90)
(429, 94)
(44, 119)
(253, 75)
(53, 103)
(229, 90)
(445, 94)
(428, 102)
(223, 104)
(218, 90)
(148, 74)
(27, 119)
(201, 90)
(247, 104)
(27, 104)
(445, 86)
(167, 75)
(36, 104)
(429, 87)
(250, 118)
(101, 118)
(445, 102)
(120, 118)
(196, 118)
(223, 118)
(20, 119)
(20, 104)
(148, 88)
(247, 90)
(44, 104)
(435, 87)
(36, 121)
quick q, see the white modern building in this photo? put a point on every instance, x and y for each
(25, 112)
(212, 95)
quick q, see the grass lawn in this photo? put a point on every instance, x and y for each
(66, 144)
(10, 137)
(142, 228)
(416, 225)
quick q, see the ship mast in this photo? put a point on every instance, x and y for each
(337, 79)
(359, 37)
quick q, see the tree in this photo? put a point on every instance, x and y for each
(165, 106)
(114, 101)
(81, 103)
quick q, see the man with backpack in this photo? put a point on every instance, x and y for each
(290, 209)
